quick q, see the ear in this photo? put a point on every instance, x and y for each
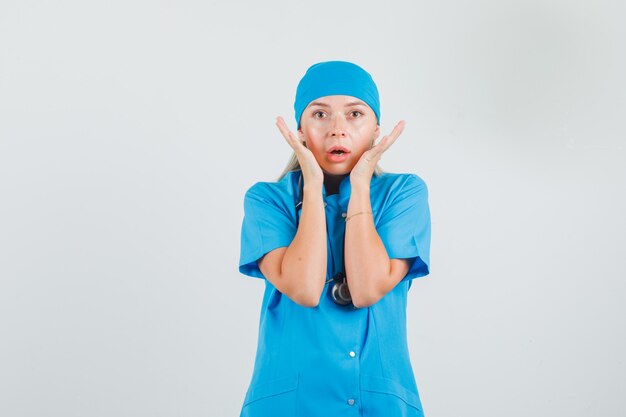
(376, 132)
(301, 136)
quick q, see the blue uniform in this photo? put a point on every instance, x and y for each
(333, 360)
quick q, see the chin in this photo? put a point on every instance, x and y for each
(338, 171)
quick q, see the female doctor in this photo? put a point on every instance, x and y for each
(337, 242)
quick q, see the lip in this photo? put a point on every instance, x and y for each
(338, 148)
(338, 157)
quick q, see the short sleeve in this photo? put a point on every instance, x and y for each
(267, 224)
(404, 226)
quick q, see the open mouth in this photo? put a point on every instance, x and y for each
(338, 150)
(338, 154)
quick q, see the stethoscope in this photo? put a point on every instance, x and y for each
(340, 292)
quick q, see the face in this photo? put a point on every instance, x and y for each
(338, 121)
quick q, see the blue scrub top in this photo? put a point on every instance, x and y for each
(333, 360)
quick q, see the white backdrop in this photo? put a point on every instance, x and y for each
(130, 131)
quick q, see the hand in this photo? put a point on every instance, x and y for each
(364, 168)
(311, 170)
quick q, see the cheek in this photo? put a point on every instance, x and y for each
(313, 139)
(317, 132)
(315, 148)
(366, 131)
(311, 133)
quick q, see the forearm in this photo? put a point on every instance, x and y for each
(305, 260)
(365, 256)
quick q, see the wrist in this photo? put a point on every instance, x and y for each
(313, 188)
(356, 214)
(359, 185)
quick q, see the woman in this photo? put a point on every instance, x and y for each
(337, 242)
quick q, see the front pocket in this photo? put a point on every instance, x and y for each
(384, 396)
(275, 397)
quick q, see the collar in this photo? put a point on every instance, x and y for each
(345, 188)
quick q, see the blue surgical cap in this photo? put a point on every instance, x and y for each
(336, 78)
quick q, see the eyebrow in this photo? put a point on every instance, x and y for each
(352, 103)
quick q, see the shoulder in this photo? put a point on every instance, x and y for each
(277, 192)
(393, 183)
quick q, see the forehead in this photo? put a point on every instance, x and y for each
(337, 101)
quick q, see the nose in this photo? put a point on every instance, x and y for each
(338, 127)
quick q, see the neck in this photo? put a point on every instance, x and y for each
(332, 181)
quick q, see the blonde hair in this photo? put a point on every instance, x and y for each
(294, 165)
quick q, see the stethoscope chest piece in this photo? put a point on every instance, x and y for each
(340, 292)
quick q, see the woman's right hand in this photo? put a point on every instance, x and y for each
(311, 170)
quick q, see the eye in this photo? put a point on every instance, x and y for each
(356, 111)
(316, 113)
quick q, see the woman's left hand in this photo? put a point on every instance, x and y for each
(364, 168)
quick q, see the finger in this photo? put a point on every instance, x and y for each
(389, 139)
(289, 137)
(282, 126)
(397, 130)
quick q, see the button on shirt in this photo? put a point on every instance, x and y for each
(333, 360)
